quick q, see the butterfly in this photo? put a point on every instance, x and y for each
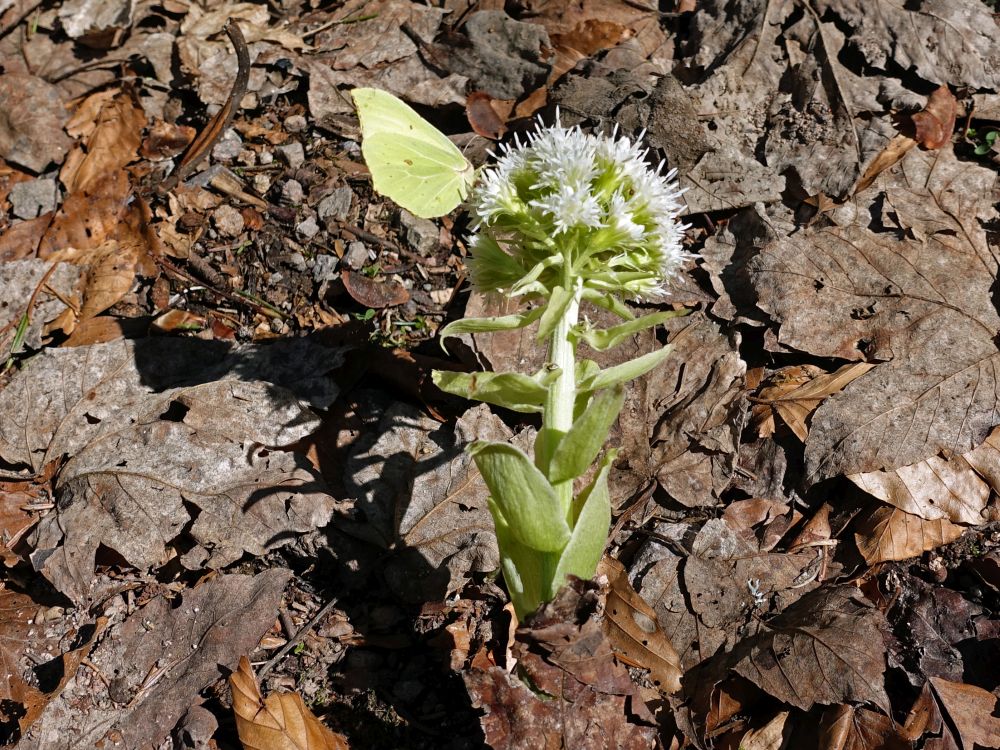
(411, 162)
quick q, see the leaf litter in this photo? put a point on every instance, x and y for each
(806, 493)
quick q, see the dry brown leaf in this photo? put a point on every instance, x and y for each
(895, 150)
(771, 736)
(936, 487)
(825, 648)
(888, 533)
(912, 291)
(112, 126)
(282, 721)
(972, 710)
(799, 393)
(847, 727)
(635, 635)
(935, 124)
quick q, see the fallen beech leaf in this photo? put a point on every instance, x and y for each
(847, 727)
(935, 124)
(799, 396)
(112, 140)
(482, 117)
(160, 658)
(374, 294)
(957, 488)
(826, 648)
(888, 533)
(635, 635)
(973, 711)
(771, 736)
(282, 721)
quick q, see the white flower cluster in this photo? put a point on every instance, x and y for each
(595, 193)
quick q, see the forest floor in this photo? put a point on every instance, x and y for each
(219, 438)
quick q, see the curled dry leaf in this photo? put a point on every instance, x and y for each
(374, 293)
(888, 533)
(485, 120)
(795, 396)
(635, 635)
(282, 721)
(935, 124)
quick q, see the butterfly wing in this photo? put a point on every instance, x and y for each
(411, 162)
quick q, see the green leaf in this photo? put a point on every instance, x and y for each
(982, 148)
(579, 447)
(609, 302)
(626, 371)
(526, 571)
(602, 339)
(511, 390)
(489, 325)
(523, 495)
(592, 520)
(555, 310)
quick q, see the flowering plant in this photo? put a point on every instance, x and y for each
(563, 218)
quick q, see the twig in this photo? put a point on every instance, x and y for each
(299, 637)
(219, 124)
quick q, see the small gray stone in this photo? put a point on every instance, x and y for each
(228, 221)
(308, 228)
(356, 255)
(33, 198)
(265, 157)
(325, 268)
(295, 123)
(292, 192)
(297, 261)
(293, 154)
(336, 206)
(228, 147)
(422, 235)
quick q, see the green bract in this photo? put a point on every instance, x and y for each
(562, 219)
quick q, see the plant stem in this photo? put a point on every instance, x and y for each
(558, 416)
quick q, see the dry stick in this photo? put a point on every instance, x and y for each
(299, 637)
(219, 124)
(243, 299)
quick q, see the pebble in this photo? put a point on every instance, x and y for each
(228, 221)
(265, 157)
(308, 228)
(325, 268)
(33, 198)
(261, 183)
(421, 234)
(292, 192)
(297, 261)
(293, 154)
(356, 255)
(336, 206)
(295, 123)
(228, 147)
